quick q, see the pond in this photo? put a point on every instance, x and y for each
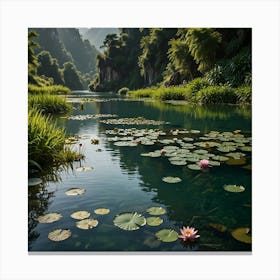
(126, 177)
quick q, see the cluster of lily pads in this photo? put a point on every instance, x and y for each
(133, 121)
(88, 117)
(216, 147)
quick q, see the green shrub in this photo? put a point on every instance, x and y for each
(46, 141)
(217, 94)
(244, 94)
(55, 89)
(123, 90)
(48, 103)
(196, 85)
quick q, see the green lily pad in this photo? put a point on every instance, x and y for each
(129, 221)
(194, 131)
(80, 215)
(241, 234)
(84, 168)
(188, 139)
(59, 234)
(235, 155)
(75, 191)
(154, 221)
(87, 224)
(194, 166)
(178, 162)
(214, 163)
(125, 144)
(171, 180)
(226, 149)
(49, 218)
(102, 211)
(156, 211)
(220, 158)
(246, 149)
(234, 188)
(167, 235)
(200, 152)
(34, 182)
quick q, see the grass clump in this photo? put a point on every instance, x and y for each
(48, 103)
(54, 89)
(46, 142)
(244, 94)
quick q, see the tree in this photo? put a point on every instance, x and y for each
(32, 58)
(71, 76)
(203, 44)
(48, 67)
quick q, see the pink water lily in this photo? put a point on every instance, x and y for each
(188, 233)
(163, 151)
(204, 163)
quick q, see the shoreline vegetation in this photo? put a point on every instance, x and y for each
(197, 91)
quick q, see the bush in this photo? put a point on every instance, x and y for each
(46, 141)
(48, 103)
(123, 90)
(244, 94)
(55, 89)
(196, 85)
(216, 94)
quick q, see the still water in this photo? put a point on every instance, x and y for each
(124, 181)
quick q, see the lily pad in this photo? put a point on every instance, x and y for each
(200, 152)
(75, 191)
(234, 188)
(156, 211)
(246, 149)
(49, 218)
(154, 221)
(129, 221)
(220, 158)
(84, 168)
(171, 180)
(167, 235)
(59, 234)
(34, 182)
(218, 227)
(214, 163)
(234, 161)
(80, 215)
(178, 162)
(194, 166)
(87, 224)
(241, 234)
(125, 144)
(188, 139)
(102, 211)
(194, 131)
(226, 149)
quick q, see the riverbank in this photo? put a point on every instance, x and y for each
(197, 91)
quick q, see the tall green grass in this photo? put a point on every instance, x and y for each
(46, 141)
(54, 89)
(48, 103)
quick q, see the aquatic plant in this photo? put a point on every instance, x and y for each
(49, 218)
(156, 211)
(129, 221)
(59, 234)
(48, 104)
(242, 235)
(154, 221)
(188, 234)
(102, 211)
(171, 180)
(75, 191)
(80, 215)
(46, 142)
(167, 235)
(204, 163)
(234, 188)
(87, 224)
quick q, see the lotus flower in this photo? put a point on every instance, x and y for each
(204, 163)
(188, 234)
(163, 151)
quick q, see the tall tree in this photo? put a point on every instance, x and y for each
(71, 76)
